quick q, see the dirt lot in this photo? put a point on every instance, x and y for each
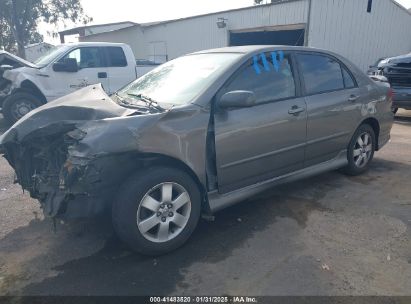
(328, 235)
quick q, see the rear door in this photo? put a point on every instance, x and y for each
(333, 105)
(267, 140)
(119, 70)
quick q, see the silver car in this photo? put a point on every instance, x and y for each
(197, 134)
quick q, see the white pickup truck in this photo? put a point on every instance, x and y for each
(65, 69)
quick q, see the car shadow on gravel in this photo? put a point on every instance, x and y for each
(115, 270)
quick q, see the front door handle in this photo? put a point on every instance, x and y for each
(295, 110)
(102, 75)
(353, 98)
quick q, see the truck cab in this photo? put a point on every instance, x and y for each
(65, 69)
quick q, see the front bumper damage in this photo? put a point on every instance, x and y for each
(69, 176)
(66, 186)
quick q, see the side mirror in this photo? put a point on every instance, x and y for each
(237, 99)
(68, 65)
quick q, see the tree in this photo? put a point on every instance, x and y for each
(19, 20)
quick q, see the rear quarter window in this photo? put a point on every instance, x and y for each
(348, 80)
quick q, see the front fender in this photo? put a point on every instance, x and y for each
(179, 134)
(20, 75)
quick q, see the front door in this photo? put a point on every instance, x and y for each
(92, 69)
(257, 143)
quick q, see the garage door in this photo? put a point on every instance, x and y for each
(284, 37)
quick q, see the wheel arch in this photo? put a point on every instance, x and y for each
(375, 125)
(28, 86)
(153, 159)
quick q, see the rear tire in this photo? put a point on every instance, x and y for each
(19, 104)
(360, 150)
(157, 210)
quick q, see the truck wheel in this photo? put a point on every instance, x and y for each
(19, 104)
(360, 150)
(157, 210)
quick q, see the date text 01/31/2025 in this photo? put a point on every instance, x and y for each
(204, 299)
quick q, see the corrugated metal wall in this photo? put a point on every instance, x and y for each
(342, 26)
(133, 36)
(345, 27)
(194, 34)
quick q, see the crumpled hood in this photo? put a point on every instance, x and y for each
(90, 103)
(9, 59)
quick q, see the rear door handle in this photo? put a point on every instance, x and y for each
(295, 110)
(102, 75)
(353, 98)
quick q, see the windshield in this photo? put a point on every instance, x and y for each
(49, 56)
(179, 81)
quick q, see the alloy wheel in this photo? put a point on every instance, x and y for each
(363, 150)
(21, 108)
(164, 212)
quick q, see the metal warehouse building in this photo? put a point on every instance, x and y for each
(361, 30)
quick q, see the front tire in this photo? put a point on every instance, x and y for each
(157, 210)
(19, 104)
(361, 150)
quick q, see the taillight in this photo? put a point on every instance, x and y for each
(390, 95)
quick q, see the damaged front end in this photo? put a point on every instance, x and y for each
(65, 185)
(72, 177)
(8, 62)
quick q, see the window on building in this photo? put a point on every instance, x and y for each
(269, 81)
(369, 6)
(320, 73)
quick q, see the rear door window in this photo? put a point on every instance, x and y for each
(268, 75)
(116, 56)
(320, 73)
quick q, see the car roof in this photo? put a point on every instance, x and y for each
(93, 44)
(249, 49)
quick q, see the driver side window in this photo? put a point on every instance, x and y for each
(268, 75)
(86, 57)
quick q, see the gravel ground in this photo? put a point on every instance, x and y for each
(327, 235)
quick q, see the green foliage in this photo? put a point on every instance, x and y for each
(19, 20)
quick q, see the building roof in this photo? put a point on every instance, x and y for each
(76, 30)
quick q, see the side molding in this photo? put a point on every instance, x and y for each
(220, 201)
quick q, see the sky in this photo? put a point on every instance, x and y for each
(103, 11)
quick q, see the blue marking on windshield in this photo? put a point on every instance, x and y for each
(281, 53)
(265, 62)
(275, 62)
(256, 67)
(276, 57)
